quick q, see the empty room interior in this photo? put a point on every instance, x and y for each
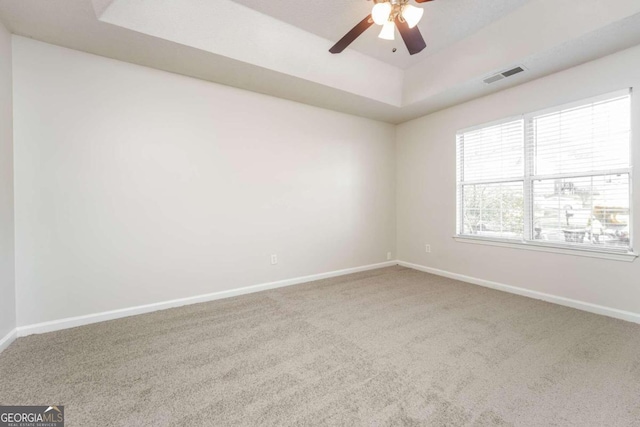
(340, 213)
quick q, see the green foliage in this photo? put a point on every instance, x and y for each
(494, 208)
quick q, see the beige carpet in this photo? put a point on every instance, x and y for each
(386, 347)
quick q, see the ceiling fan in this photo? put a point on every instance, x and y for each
(390, 14)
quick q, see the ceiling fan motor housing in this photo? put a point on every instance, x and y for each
(396, 8)
(393, 2)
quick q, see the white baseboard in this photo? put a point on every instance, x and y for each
(8, 339)
(72, 322)
(568, 302)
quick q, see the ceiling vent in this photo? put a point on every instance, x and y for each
(503, 75)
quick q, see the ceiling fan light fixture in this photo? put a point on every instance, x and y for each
(412, 15)
(391, 14)
(381, 13)
(388, 31)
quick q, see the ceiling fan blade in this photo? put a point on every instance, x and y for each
(352, 35)
(411, 36)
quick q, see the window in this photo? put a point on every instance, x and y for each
(560, 177)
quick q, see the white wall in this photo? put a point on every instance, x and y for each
(136, 186)
(426, 191)
(7, 284)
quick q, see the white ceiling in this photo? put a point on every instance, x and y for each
(229, 43)
(444, 23)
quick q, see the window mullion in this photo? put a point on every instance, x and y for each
(528, 183)
(460, 178)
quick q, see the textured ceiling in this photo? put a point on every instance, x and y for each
(444, 23)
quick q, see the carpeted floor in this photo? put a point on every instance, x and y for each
(387, 347)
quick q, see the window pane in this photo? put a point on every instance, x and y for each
(592, 211)
(594, 137)
(494, 210)
(494, 152)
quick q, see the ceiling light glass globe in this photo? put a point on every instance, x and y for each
(381, 13)
(412, 15)
(388, 31)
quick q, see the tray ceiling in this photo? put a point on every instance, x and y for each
(444, 23)
(280, 47)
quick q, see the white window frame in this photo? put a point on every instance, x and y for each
(527, 242)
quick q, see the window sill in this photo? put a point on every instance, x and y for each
(559, 249)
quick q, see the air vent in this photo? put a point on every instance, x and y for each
(513, 71)
(503, 75)
(494, 79)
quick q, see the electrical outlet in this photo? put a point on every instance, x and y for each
(274, 259)
(389, 256)
(427, 248)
